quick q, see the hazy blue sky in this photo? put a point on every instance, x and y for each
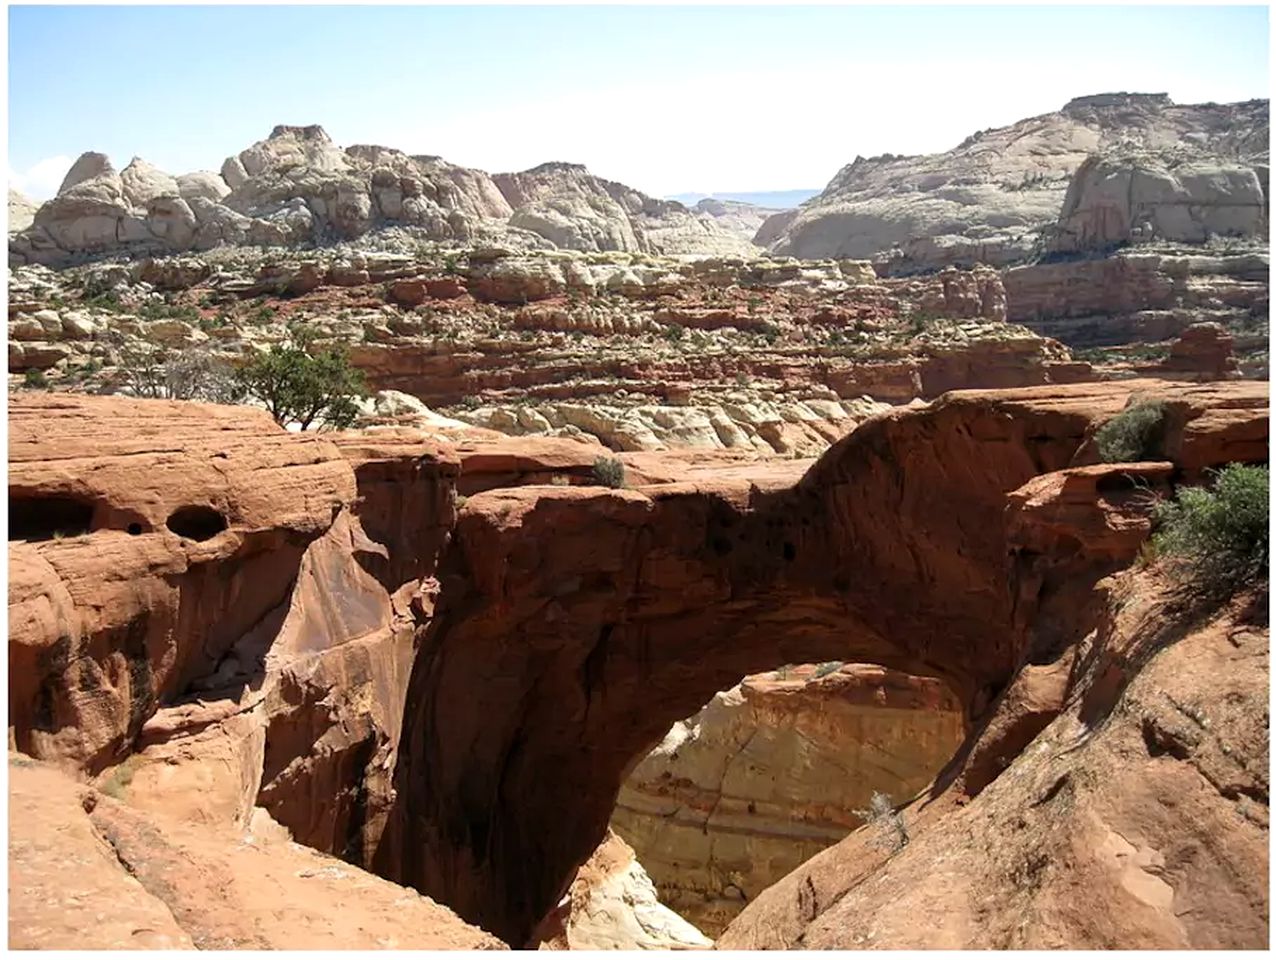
(666, 99)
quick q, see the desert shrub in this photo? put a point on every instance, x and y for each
(1217, 539)
(35, 380)
(609, 472)
(559, 480)
(824, 669)
(1136, 433)
(179, 375)
(881, 813)
(300, 385)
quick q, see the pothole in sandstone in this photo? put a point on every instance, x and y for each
(774, 770)
(48, 517)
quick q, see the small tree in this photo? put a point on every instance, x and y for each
(303, 387)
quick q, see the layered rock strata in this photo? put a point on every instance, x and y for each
(639, 353)
(774, 770)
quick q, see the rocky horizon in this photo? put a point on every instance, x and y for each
(1050, 187)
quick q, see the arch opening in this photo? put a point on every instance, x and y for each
(774, 770)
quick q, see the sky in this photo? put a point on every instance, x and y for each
(665, 99)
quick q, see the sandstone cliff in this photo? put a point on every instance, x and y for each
(1137, 819)
(632, 607)
(986, 199)
(774, 770)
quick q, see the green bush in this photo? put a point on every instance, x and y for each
(1217, 537)
(1136, 433)
(609, 472)
(35, 380)
(824, 669)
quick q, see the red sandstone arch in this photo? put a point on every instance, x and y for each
(578, 624)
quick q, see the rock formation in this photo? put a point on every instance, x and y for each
(91, 873)
(21, 211)
(985, 200)
(774, 770)
(298, 188)
(1138, 818)
(1114, 200)
(1133, 296)
(210, 617)
(633, 607)
(612, 905)
(1202, 352)
(632, 351)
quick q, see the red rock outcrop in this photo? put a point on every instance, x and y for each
(211, 671)
(146, 539)
(1136, 296)
(1137, 819)
(599, 617)
(87, 872)
(337, 687)
(1202, 352)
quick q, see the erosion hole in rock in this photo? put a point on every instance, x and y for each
(774, 770)
(38, 517)
(196, 522)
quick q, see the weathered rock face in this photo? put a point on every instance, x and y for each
(132, 576)
(591, 619)
(730, 578)
(983, 201)
(1147, 296)
(297, 188)
(1113, 200)
(612, 905)
(1137, 819)
(21, 211)
(1204, 352)
(90, 873)
(773, 771)
(215, 670)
